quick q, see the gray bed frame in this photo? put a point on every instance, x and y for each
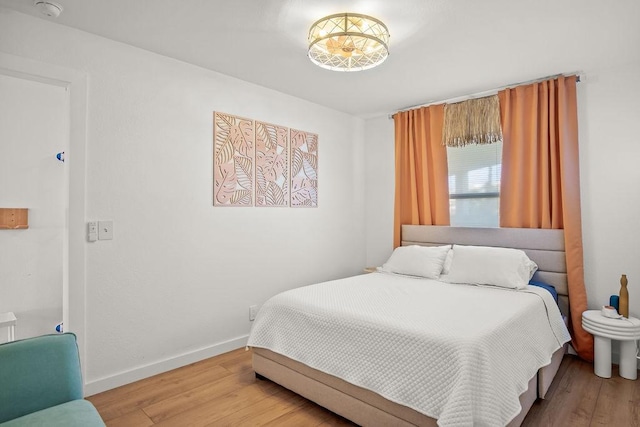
(366, 408)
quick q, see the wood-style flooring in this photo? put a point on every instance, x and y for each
(223, 391)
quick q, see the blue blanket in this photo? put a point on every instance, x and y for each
(546, 286)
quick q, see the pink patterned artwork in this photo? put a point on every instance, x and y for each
(233, 160)
(304, 169)
(272, 165)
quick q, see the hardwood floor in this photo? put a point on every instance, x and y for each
(223, 391)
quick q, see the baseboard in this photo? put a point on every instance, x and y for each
(120, 379)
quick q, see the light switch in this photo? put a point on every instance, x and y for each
(105, 230)
(92, 231)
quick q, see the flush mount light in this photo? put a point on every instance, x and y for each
(348, 42)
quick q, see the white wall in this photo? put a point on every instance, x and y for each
(177, 280)
(608, 111)
(31, 260)
(380, 189)
(609, 154)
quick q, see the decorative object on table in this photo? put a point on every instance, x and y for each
(610, 312)
(624, 297)
(614, 301)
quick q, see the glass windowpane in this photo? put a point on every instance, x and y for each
(475, 170)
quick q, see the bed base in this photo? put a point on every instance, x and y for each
(365, 407)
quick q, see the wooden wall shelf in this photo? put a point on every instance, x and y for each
(14, 218)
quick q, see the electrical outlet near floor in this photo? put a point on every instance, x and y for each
(253, 310)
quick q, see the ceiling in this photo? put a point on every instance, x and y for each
(439, 48)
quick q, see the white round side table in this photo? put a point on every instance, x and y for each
(605, 329)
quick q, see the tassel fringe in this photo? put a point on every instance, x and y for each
(475, 121)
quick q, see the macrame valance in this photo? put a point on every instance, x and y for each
(475, 121)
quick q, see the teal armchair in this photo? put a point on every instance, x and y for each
(41, 384)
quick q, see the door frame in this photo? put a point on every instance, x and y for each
(74, 240)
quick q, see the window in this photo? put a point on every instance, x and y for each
(474, 185)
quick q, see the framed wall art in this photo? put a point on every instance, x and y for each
(263, 164)
(304, 169)
(272, 165)
(233, 160)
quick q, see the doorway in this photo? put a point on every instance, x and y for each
(34, 127)
(74, 256)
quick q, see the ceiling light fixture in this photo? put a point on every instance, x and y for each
(348, 42)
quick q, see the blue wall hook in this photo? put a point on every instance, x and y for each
(60, 156)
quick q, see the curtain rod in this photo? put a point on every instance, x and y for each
(488, 92)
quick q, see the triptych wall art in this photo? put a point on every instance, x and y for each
(262, 164)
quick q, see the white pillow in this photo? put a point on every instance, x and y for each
(422, 261)
(482, 265)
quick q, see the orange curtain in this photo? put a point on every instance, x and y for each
(540, 184)
(422, 186)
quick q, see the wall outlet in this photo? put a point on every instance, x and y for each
(253, 310)
(105, 230)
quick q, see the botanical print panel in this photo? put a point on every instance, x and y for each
(233, 160)
(304, 169)
(272, 165)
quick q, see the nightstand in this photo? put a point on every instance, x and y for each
(605, 329)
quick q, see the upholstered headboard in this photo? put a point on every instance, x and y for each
(544, 247)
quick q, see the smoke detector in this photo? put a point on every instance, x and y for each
(48, 8)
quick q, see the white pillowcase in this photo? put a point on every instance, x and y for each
(422, 261)
(446, 267)
(483, 265)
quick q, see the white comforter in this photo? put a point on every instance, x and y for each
(458, 353)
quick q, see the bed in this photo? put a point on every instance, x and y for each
(414, 381)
